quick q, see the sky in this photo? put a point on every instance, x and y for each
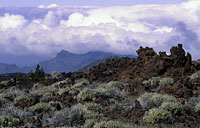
(33, 3)
(39, 32)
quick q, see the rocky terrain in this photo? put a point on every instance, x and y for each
(153, 90)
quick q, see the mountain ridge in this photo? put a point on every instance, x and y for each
(64, 61)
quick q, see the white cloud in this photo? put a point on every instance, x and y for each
(11, 21)
(120, 29)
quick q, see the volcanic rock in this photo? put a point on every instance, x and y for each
(148, 64)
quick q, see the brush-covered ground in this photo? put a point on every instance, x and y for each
(121, 97)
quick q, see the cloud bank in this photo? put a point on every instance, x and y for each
(44, 31)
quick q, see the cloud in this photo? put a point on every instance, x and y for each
(119, 29)
(11, 21)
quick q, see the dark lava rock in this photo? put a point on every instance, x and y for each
(147, 65)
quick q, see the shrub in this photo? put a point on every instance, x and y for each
(95, 116)
(94, 107)
(91, 94)
(149, 99)
(63, 91)
(192, 102)
(89, 123)
(166, 81)
(111, 84)
(110, 124)
(11, 110)
(69, 117)
(40, 108)
(81, 83)
(197, 108)
(156, 115)
(2, 101)
(152, 81)
(56, 75)
(8, 121)
(117, 93)
(56, 105)
(14, 92)
(25, 99)
(172, 107)
(62, 83)
(195, 75)
(45, 90)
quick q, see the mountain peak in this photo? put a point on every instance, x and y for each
(64, 53)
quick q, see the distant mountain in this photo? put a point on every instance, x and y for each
(64, 62)
(69, 62)
(8, 68)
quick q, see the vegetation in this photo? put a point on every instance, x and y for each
(39, 108)
(156, 115)
(8, 121)
(166, 81)
(110, 124)
(38, 74)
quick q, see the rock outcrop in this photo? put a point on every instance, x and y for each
(148, 64)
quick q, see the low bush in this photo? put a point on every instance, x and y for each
(195, 75)
(152, 81)
(11, 110)
(147, 100)
(166, 81)
(45, 90)
(197, 108)
(18, 99)
(193, 102)
(110, 124)
(8, 121)
(66, 117)
(156, 115)
(2, 101)
(81, 83)
(172, 107)
(39, 108)
(94, 107)
(91, 94)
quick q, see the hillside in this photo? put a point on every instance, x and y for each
(153, 90)
(63, 62)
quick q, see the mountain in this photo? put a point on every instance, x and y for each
(69, 62)
(8, 68)
(63, 62)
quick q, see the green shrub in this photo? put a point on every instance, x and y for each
(195, 75)
(94, 107)
(149, 99)
(111, 84)
(8, 121)
(25, 99)
(45, 90)
(166, 81)
(172, 107)
(110, 124)
(156, 115)
(63, 90)
(152, 81)
(197, 108)
(95, 116)
(39, 108)
(89, 123)
(91, 94)
(81, 83)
